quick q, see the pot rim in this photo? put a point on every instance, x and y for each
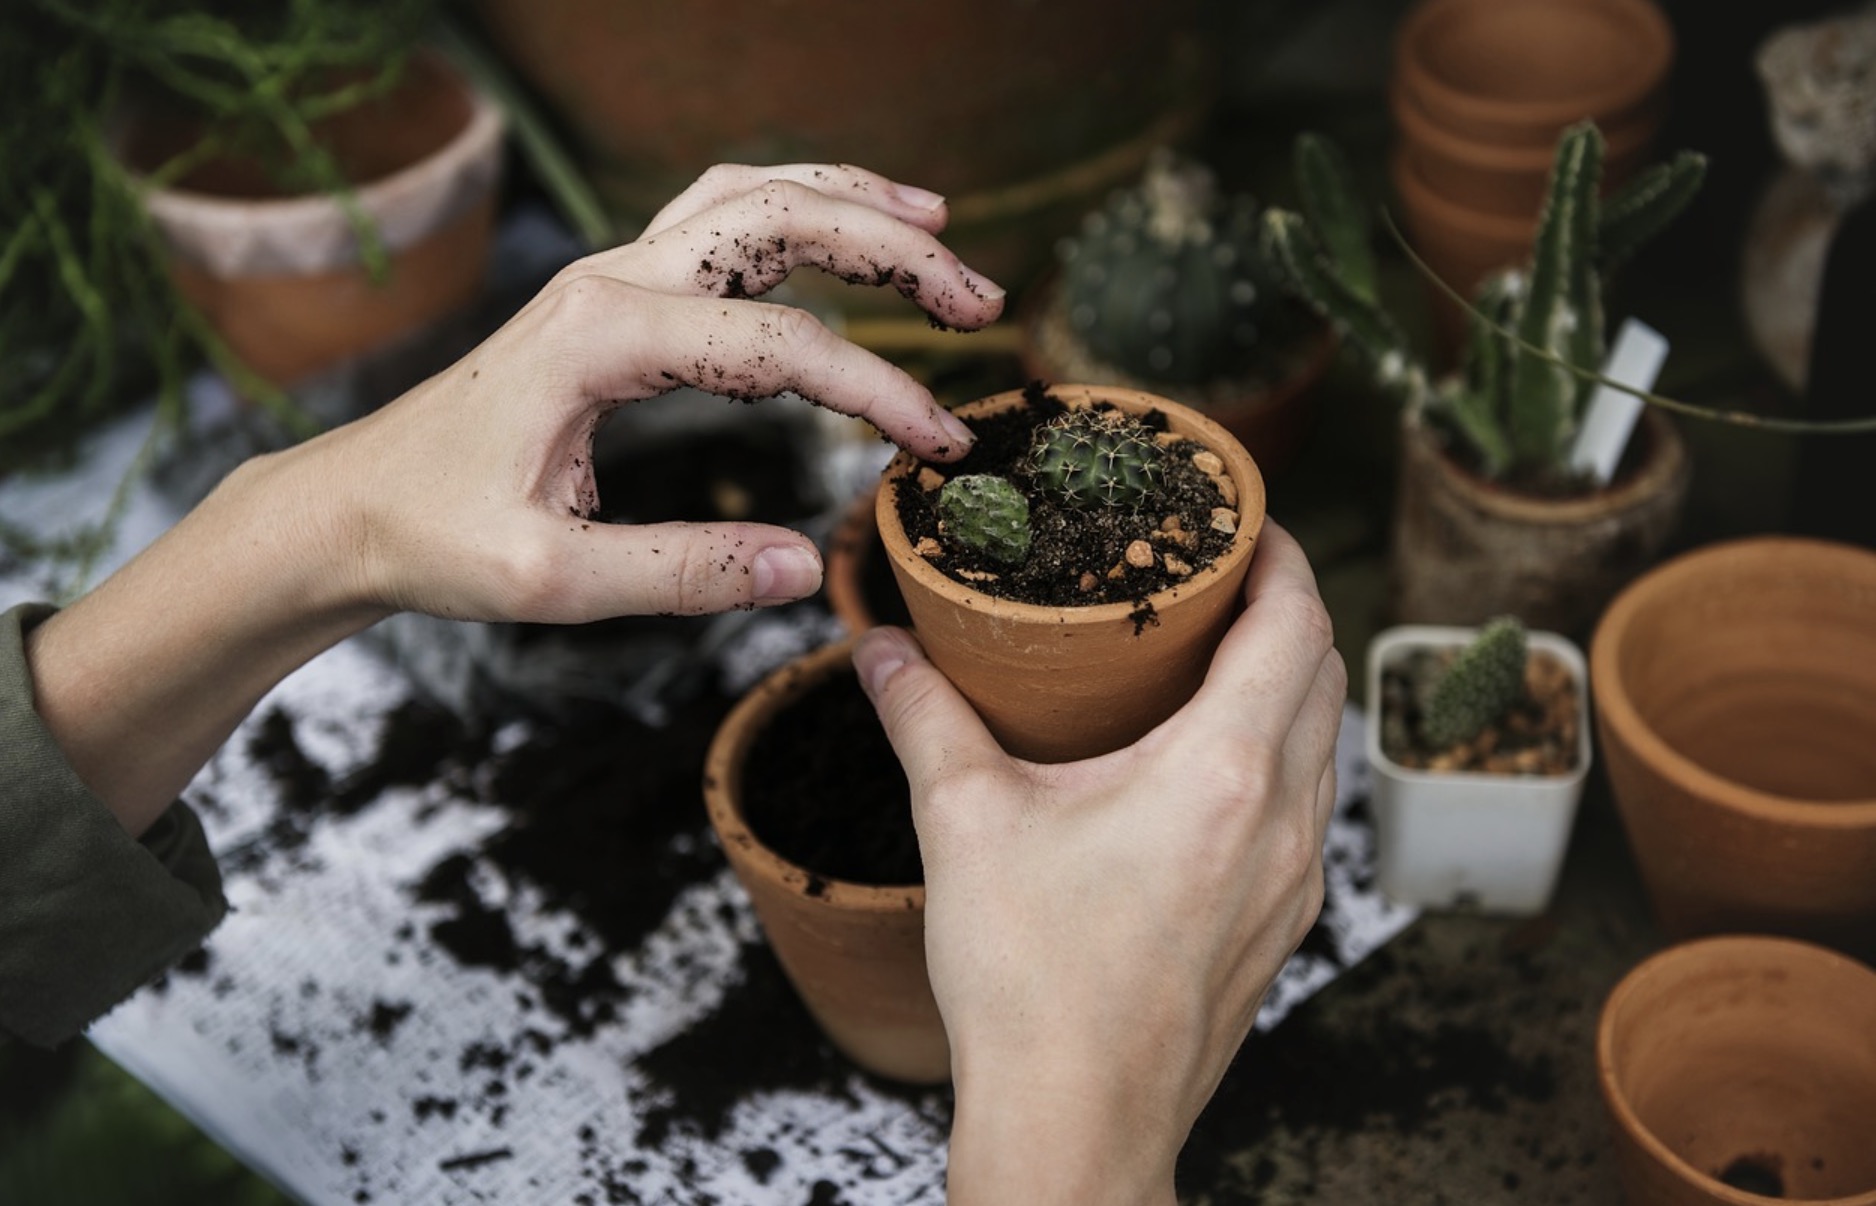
(1622, 136)
(722, 786)
(1643, 21)
(1665, 464)
(1618, 711)
(1443, 636)
(1784, 951)
(1416, 193)
(1203, 429)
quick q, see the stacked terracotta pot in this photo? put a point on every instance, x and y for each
(1481, 91)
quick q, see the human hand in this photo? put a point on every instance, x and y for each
(1100, 934)
(469, 496)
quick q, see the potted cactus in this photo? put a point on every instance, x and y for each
(1166, 289)
(1479, 743)
(1492, 516)
(1073, 573)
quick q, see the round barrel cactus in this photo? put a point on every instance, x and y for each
(1091, 458)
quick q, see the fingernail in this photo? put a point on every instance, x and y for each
(961, 436)
(877, 656)
(980, 285)
(918, 198)
(784, 573)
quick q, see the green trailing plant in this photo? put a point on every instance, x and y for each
(1092, 458)
(1478, 687)
(1168, 282)
(1530, 368)
(987, 514)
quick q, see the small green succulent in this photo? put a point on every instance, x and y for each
(1482, 682)
(1092, 458)
(988, 514)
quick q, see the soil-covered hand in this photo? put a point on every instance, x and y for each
(468, 496)
(1101, 933)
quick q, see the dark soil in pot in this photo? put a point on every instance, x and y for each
(1077, 557)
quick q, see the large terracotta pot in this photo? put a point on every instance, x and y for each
(1023, 115)
(855, 952)
(281, 279)
(1056, 684)
(1735, 691)
(1741, 1069)
(1466, 549)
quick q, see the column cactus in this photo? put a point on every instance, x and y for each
(1481, 683)
(1516, 402)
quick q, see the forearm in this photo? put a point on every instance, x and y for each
(141, 680)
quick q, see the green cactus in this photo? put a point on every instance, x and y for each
(1093, 458)
(987, 514)
(1517, 410)
(1167, 282)
(1484, 680)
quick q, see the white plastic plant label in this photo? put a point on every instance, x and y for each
(1635, 361)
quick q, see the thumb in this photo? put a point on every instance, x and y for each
(682, 568)
(933, 729)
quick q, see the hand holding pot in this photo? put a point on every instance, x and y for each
(1101, 933)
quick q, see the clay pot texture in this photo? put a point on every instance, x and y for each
(280, 278)
(1271, 419)
(1465, 549)
(1514, 73)
(855, 952)
(857, 579)
(1023, 115)
(1057, 684)
(1735, 691)
(1742, 1061)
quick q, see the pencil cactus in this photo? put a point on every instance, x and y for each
(1482, 682)
(1168, 281)
(1092, 458)
(1517, 401)
(987, 514)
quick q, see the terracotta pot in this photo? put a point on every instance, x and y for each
(855, 952)
(1741, 1069)
(1507, 180)
(1270, 417)
(1022, 115)
(1514, 73)
(860, 588)
(1460, 245)
(1056, 684)
(1736, 699)
(1466, 549)
(280, 278)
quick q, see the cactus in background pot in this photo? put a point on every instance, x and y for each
(1484, 679)
(1516, 410)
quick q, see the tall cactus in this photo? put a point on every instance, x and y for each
(1518, 409)
(1483, 681)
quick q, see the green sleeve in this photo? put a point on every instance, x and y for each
(88, 914)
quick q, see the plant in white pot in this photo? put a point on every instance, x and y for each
(1479, 744)
(1497, 512)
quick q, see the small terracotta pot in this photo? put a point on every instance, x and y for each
(1466, 549)
(1460, 245)
(855, 952)
(1736, 699)
(1741, 1069)
(1056, 684)
(280, 278)
(1270, 418)
(1514, 73)
(860, 588)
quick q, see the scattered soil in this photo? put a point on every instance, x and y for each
(823, 789)
(1076, 557)
(1536, 736)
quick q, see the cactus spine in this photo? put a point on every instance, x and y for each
(1091, 458)
(1484, 680)
(1167, 281)
(1517, 408)
(987, 514)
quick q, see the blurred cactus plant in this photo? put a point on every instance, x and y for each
(1478, 687)
(1091, 458)
(1168, 283)
(1518, 411)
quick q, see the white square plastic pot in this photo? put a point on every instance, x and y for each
(1450, 839)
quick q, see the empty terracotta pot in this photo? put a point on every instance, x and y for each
(855, 952)
(1735, 691)
(859, 585)
(1514, 73)
(1740, 1069)
(1056, 684)
(1459, 244)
